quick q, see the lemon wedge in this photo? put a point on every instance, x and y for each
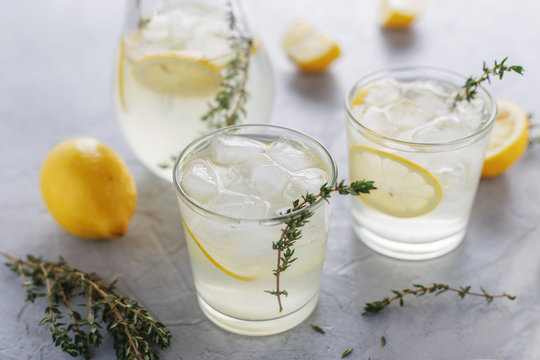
(183, 74)
(310, 49)
(400, 14)
(404, 189)
(508, 139)
(213, 260)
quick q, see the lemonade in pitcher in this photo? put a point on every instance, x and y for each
(170, 66)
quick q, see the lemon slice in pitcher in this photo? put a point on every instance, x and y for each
(404, 189)
(183, 74)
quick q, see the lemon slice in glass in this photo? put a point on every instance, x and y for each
(508, 139)
(183, 74)
(213, 260)
(404, 189)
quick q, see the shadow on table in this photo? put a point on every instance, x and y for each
(398, 40)
(321, 88)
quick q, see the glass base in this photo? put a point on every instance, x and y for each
(409, 251)
(258, 327)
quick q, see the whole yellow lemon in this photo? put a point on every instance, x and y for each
(88, 189)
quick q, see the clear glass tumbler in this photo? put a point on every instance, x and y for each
(425, 153)
(230, 243)
(174, 59)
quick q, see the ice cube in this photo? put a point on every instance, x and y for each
(230, 149)
(406, 115)
(237, 205)
(292, 154)
(452, 175)
(436, 87)
(230, 180)
(383, 92)
(305, 181)
(199, 180)
(472, 114)
(264, 177)
(430, 100)
(157, 29)
(376, 120)
(441, 129)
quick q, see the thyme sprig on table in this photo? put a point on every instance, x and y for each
(471, 84)
(292, 232)
(229, 104)
(135, 333)
(436, 289)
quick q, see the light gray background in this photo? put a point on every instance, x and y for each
(56, 59)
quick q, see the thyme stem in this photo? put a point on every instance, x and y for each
(229, 103)
(292, 232)
(472, 84)
(134, 332)
(436, 288)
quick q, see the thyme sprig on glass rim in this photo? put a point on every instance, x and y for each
(470, 88)
(292, 230)
(136, 335)
(436, 289)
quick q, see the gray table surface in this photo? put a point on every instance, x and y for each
(55, 83)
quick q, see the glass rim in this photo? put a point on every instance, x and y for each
(426, 145)
(273, 219)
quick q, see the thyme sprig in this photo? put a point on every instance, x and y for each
(472, 84)
(436, 289)
(292, 232)
(229, 104)
(136, 335)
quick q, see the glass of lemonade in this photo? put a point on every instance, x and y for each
(172, 60)
(234, 186)
(424, 151)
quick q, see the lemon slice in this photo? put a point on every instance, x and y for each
(183, 74)
(508, 139)
(360, 96)
(400, 14)
(213, 261)
(404, 189)
(121, 52)
(310, 49)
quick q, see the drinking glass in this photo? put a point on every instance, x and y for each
(425, 153)
(174, 58)
(231, 250)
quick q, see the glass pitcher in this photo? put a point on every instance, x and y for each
(184, 68)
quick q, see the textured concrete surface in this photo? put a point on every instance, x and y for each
(56, 61)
